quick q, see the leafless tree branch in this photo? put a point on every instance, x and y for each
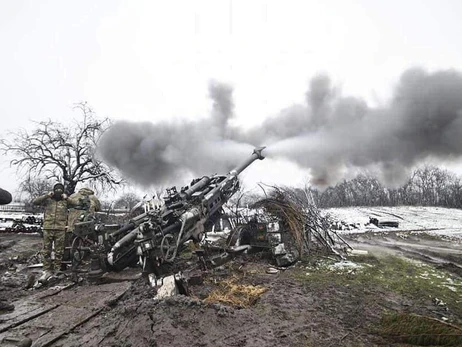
(63, 152)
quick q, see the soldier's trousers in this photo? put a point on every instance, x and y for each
(50, 237)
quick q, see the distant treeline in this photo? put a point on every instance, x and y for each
(427, 186)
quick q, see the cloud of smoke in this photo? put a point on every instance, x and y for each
(223, 106)
(423, 120)
(166, 152)
(329, 134)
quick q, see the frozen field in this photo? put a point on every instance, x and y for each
(433, 220)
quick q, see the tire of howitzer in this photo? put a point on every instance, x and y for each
(76, 254)
(79, 249)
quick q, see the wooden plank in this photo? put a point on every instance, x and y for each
(57, 334)
(61, 311)
(28, 318)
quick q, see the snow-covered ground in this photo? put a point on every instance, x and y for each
(433, 220)
(18, 215)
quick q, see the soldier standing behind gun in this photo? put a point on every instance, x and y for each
(86, 204)
(54, 228)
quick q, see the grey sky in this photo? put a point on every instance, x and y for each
(153, 60)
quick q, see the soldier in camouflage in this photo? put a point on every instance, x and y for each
(86, 204)
(54, 227)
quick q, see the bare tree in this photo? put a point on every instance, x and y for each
(33, 187)
(432, 185)
(428, 186)
(63, 152)
(128, 200)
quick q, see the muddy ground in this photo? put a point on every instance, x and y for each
(444, 253)
(310, 304)
(17, 251)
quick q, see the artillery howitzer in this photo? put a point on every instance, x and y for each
(157, 236)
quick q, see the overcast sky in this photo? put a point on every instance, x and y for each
(153, 60)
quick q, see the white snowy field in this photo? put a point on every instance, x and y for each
(433, 220)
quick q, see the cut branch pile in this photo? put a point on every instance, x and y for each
(297, 213)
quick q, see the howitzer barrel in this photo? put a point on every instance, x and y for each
(255, 155)
(215, 198)
(204, 181)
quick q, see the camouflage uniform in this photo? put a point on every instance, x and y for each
(85, 206)
(54, 226)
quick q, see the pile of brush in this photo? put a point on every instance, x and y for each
(296, 212)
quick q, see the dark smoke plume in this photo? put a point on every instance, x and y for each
(422, 121)
(223, 106)
(329, 134)
(164, 153)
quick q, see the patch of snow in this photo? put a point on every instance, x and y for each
(18, 215)
(345, 264)
(4, 225)
(437, 221)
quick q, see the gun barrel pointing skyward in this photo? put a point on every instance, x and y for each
(184, 219)
(257, 154)
(204, 181)
(231, 177)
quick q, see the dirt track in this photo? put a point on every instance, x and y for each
(428, 249)
(288, 314)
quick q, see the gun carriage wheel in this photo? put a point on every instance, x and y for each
(79, 249)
